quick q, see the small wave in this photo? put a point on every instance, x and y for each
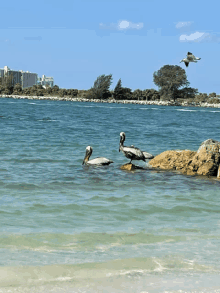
(111, 198)
(22, 186)
(187, 110)
(36, 161)
(47, 119)
(132, 268)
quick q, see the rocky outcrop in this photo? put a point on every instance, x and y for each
(205, 161)
(83, 99)
(130, 167)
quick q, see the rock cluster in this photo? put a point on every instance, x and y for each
(205, 161)
(82, 99)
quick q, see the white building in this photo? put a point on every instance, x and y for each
(46, 81)
(25, 78)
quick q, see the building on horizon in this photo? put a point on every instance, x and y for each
(46, 81)
(25, 78)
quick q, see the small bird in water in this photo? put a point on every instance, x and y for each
(98, 161)
(190, 58)
(131, 152)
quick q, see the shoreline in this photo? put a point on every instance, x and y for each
(113, 101)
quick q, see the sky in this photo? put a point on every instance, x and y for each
(75, 41)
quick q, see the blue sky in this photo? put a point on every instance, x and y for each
(76, 41)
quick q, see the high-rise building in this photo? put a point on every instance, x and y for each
(46, 81)
(25, 78)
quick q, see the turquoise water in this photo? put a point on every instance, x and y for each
(65, 227)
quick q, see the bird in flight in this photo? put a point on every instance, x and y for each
(190, 58)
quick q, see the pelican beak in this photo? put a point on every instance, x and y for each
(86, 158)
(120, 143)
(84, 161)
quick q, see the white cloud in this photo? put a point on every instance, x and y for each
(182, 24)
(122, 25)
(199, 37)
(194, 37)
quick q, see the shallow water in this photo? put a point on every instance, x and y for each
(69, 228)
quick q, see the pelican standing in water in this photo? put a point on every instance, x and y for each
(131, 152)
(190, 58)
(98, 161)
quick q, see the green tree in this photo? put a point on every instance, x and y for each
(40, 92)
(72, 92)
(17, 89)
(62, 92)
(122, 93)
(2, 89)
(27, 91)
(137, 95)
(150, 95)
(118, 92)
(212, 95)
(8, 84)
(187, 93)
(55, 90)
(169, 79)
(48, 90)
(100, 89)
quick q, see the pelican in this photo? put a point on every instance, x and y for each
(131, 152)
(146, 155)
(98, 161)
(190, 58)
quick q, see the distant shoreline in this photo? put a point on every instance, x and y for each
(113, 101)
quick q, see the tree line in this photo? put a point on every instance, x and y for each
(171, 81)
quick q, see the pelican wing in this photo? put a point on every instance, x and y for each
(133, 153)
(148, 155)
(100, 161)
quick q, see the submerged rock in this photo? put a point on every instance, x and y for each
(203, 162)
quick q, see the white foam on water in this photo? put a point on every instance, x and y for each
(187, 110)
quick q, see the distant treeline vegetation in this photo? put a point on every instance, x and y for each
(171, 81)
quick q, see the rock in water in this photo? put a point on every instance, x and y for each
(207, 158)
(203, 162)
(174, 160)
(128, 167)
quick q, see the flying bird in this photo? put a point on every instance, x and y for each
(131, 152)
(101, 161)
(190, 58)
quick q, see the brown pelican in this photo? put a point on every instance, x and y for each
(98, 161)
(190, 58)
(131, 152)
(147, 155)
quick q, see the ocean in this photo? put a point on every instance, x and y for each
(65, 227)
